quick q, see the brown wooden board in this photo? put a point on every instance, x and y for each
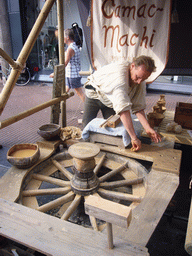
(163, 159)
(114, 121)
(183, 115)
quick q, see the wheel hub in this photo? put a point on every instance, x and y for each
(84, 181)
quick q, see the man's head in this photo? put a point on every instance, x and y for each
(141, 68)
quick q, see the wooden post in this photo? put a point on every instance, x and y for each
(188, 240)
(110, 235)
(60, 10)
(7, 89)
(58, 80)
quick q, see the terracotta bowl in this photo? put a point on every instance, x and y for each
(155, 119)
(23, 156)
(49, 131)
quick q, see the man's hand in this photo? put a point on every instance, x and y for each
(136, 144)
(155, 137)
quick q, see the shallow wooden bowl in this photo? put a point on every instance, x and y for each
(49, 131)
(23, 156)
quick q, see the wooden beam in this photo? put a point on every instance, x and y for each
(34, 110)
(11, 62)
(58, 81)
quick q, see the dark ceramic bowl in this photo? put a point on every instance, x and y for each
(49, 131)
(23, 156)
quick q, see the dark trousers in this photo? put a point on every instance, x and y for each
(91, 109)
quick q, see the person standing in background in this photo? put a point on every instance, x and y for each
(72, 64)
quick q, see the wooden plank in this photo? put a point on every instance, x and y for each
(161, 188)
(108, 211)
(52, 236)
(163, 159)
(58, 83)
(114, 121)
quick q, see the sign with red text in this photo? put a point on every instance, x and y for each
(124, 29)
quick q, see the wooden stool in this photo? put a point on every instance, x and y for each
(110, 212)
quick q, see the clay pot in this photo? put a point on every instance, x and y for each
(23, 156)
(155, 119)
(49, 131)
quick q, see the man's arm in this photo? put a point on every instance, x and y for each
(128, 124)
(155, 137)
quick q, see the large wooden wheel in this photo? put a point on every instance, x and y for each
(48, 188)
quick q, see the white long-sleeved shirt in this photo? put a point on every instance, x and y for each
(113, 89)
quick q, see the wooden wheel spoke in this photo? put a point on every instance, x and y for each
(99, 165)
(112, 173)
(50, 191)
(51, 180)
(62, 169)
(57, 202)
(120, 183)
(119, 195)
(71, 207)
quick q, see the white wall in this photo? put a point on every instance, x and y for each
(71, 15)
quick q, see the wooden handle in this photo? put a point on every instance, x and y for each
(104, 124)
